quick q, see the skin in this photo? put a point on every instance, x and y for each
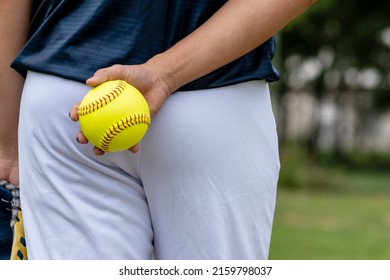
(14, 22)
(232, 32)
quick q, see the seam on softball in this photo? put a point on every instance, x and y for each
(120, 126)
(102, 101)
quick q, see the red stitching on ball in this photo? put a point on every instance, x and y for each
(120, 126)
(102, 101)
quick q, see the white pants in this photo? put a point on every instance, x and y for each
(203, 185)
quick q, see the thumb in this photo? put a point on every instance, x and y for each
(116, 72)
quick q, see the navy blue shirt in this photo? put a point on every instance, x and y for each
(74, 38)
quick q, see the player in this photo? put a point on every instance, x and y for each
(202, 182)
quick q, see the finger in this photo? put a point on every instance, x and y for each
(80, 137)
(73, 115)
(134, 149)
(98, 151)
(115, 72)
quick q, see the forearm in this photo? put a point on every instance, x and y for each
(236, 29)
(14, 22)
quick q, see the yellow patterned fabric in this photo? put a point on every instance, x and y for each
(19, 250)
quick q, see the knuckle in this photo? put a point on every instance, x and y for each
(118, 67)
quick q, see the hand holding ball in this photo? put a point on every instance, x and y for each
(114, 116)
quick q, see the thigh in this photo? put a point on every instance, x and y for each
(210, 167)
(75, 205)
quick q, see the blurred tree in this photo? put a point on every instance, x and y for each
(341, 46)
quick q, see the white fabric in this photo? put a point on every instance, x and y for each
(203, 185)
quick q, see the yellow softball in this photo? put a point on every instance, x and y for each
(114, 116)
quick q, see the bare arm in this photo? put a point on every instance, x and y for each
(14, 22)
(237, 28)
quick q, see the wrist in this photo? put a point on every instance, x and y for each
(164, 74)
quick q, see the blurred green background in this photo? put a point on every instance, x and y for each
(332, 108)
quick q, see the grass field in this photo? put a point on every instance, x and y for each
(312, 225)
